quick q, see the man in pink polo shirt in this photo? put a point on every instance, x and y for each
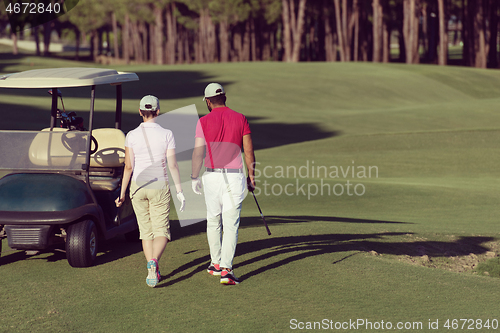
(224, 133)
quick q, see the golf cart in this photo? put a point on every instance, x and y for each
(60, 183)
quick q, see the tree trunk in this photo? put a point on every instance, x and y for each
(152, 44)
(433, 35)
(355, 22)
(377, 30)
(198, 53)
(136, 40)
(187, 53)
(293, 29)
(365, 37)
(237, 49)
(94, 45)
(425, 26)
(443, 34)
(493, 53)
(77, 47)
(47, 30)
(114, 25)
(287, 32)
(329, 56)
(126, 39)
(410, 30)
(309, 28)
(386, 43)
(224, 41)
(143, 39)
(36, 34)
(468, 9)
(157, 37)
(253, 42)
(99, 41)
(275, 43)
(345, 22)
(180, 45)
(298, 30)
(479, 35)
(245, 54)
(13, 36)
(108, 43)
(171, 34)
(340, 33)
(207, 40)
(266, 45)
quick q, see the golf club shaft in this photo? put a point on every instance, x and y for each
(62, 103)
(262, 215)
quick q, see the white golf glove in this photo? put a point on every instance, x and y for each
(196, 184)
(182, 199)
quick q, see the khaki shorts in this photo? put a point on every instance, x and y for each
(152, 208)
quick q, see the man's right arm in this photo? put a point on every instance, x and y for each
(249, 157)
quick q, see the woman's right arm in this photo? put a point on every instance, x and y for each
(127, 174)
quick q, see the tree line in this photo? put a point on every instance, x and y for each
(204, 31)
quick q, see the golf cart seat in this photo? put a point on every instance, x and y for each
(111, 148)
(58, 148)
(107, 162)
(65, 149)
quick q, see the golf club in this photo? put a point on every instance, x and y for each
(262, 215)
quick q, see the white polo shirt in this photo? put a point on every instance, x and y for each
(160, 140)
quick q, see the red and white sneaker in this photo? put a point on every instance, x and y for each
(214, 269)
(227, 277)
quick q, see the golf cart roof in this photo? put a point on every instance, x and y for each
(65, 77)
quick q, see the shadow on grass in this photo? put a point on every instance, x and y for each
(8, 59)
(108, 251)
(264, 135)
(295, 248)
(305, 218)
(301, 247)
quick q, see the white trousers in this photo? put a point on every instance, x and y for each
(223, 202)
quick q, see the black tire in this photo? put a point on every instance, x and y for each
(81, 244)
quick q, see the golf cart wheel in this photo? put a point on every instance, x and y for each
(81, 244)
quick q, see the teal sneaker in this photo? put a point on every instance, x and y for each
(152, 279)
(157, 269)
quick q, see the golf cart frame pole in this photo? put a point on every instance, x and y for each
(118, 113)
(53, 110)
(89, 144)
(89, 139)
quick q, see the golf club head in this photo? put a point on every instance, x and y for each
(59, 94)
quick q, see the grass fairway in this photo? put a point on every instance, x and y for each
(413, 241)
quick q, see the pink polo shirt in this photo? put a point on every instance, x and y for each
(223, 130)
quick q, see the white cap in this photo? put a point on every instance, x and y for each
(213, 89)
(149, 103)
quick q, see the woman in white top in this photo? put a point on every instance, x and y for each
(148, 150)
